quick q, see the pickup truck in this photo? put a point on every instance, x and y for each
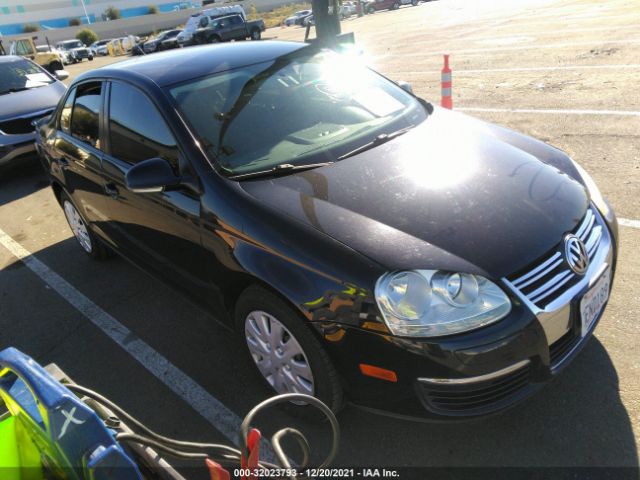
(49, 59)
(230, 27)
(373, 6)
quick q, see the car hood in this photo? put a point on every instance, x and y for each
(26, 102)
(453, 193)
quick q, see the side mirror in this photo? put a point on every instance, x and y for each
(406, 86)
(151, 176)
(61, 74)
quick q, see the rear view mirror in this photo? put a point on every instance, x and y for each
(151, 176)
(61, 74)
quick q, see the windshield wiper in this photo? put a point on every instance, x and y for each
(379, 140)
(282, 168)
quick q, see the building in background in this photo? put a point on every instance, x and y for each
(52, 14)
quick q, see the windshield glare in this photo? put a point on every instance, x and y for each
(21, 75)
(298, 110)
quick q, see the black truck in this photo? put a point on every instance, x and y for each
(230, 27)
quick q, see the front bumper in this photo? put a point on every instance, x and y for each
(479, 372)
(15, 147)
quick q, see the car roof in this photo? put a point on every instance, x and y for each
(175, 66)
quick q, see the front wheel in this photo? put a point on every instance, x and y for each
(255, 34)
(283, 348)
(91, 245)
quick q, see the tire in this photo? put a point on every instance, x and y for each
(371, 10)
(256, 34)
(214, 39)
(257, 312)
(91, 58)
(395, 6)
(414, 3)
(88, 241)
(54, 66)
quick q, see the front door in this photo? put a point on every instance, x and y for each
(161, 231)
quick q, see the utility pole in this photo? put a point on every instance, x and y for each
(327, 17)
(85, 12)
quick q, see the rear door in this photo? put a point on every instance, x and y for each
(76, 150)
(160, 231)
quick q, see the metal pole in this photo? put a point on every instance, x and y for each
(85, 12)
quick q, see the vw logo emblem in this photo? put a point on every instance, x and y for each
(575, 253)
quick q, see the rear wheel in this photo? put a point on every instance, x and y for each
(91, 244)
(284, 350)
(255, 34)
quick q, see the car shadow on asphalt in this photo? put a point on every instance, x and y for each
(18, 181)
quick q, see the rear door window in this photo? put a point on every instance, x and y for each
(85, 118)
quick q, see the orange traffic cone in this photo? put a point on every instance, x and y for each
(447, 100)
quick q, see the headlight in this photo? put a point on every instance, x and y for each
(431, 303)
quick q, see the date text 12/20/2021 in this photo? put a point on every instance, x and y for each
(318, 473)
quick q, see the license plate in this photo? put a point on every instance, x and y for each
(594, 300)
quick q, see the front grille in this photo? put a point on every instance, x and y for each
(562, 347)
(476, 397)
(19, 126)
(545, 280)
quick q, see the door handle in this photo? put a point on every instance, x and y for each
(111, 190)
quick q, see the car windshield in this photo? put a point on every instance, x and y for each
(297, 109)
(70, 45)
(21, 75)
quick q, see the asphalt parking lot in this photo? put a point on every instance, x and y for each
(564, 71)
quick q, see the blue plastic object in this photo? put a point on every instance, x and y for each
(70, 437)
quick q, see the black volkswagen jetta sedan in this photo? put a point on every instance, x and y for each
(365, 245)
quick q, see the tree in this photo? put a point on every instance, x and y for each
(75, 22)
(152, 9)
(87, 36)
(112, 13)
(30, 27)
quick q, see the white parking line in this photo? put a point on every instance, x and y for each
(551, 111)
(625, 222)
(563, 32)
(217, 414)
(529, 46)
(524, 69)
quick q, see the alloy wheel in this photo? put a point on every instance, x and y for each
(78, 226)
(277, 354)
